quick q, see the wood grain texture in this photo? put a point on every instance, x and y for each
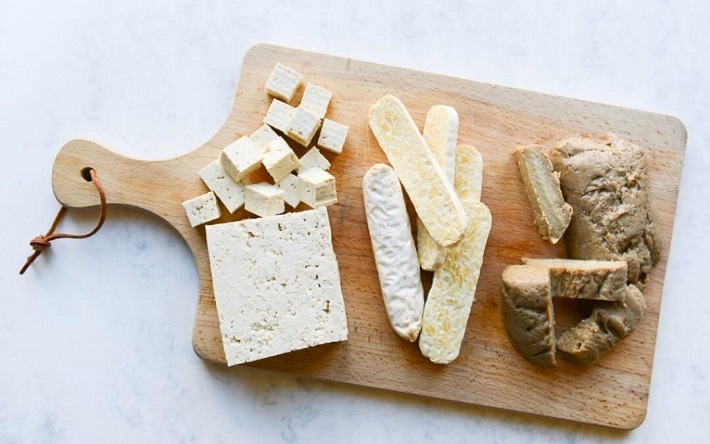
(496, 120)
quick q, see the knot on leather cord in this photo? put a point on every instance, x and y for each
(44, 241)
(40, 243)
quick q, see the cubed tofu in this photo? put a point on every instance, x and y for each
(279, 159)
(231, 193)
(317, 188)
(315, 100)
(279, 115)
(264, 199)
(313, 159)
(283, 82)
(332, 136)
(241, 158)
(291, 187)
(263, 136)
(303, 126)
(202, 209)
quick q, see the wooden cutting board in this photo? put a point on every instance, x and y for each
(493, 118)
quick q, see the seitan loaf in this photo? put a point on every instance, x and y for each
(607, 185)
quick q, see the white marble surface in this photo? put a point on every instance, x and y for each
(95, 339)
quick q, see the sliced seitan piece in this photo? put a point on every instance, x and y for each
(542, 185)
(528, 312)
(579, 279)
(587, 342)
(622, 317)
(607, 185)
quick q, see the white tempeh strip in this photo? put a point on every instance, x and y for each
(394, 250)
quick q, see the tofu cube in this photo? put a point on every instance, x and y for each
(313, 159)
(279, 115)
(231, 193)
(279, 159)
(303, 126)
(315, 100)
(317, 188)
(202, 209)
(263, 136)
(332, 136)
(283, 82)
(291, 187)
(264, 199)
(241, 158)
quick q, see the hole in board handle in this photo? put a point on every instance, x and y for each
(86, 173)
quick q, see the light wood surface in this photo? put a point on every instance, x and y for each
(496, 120)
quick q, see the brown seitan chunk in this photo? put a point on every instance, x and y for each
(528, 312)
(587, 342)
(622, 317)
(579, 279)
(542, 185)
(606, 183)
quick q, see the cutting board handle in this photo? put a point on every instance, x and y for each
(157, 186)
(70, 180)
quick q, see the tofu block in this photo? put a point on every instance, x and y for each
(263, 136)
(313, 159)
(394, 250)
(421, 175)
(542, 186)
(332, 136)
(264, 199)
(302, 127)
(241, 158)
(231, 193)
(279, 115)
(453, 288)
(580, 279)
(441, 133)
(317, 188)
(202, 209)
(315, 100)
(291, 186)
(279, 159)
(276, 285)
(283, 82)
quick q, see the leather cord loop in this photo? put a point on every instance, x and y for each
(44, 241)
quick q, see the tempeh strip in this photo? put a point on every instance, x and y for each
(393, 247)
(440, 132)
(453, 290)
(431, 194)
